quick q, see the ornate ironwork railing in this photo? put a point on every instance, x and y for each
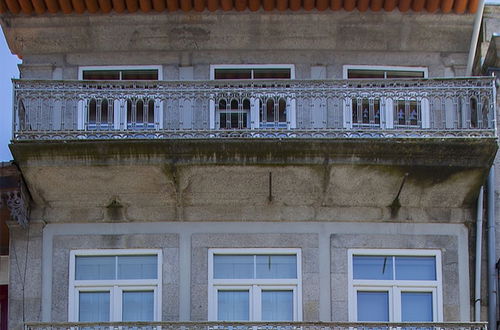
(462, 107)
(259, 326)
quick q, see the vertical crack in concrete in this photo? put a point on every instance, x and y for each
(396, 205)
(173, 172)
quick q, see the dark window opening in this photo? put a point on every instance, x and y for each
(383, 74)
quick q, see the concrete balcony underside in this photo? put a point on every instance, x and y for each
(417, 180)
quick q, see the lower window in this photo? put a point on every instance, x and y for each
(254, 285)
(115, 285)
(395, 286)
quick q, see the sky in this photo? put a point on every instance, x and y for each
(8, 70)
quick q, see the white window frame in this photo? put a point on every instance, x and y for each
(254, 286)
(395, 287)
(120, 67)
(346, 68)
(114, 287)
(254, 104)
(120, 119)
(386, 105)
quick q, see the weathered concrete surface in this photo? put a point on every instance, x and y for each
(331, 39)
(25, 283)
(330, 180)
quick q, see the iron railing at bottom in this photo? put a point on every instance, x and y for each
(219, 325)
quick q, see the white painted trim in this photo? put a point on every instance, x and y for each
(254, 109)
(435, 286)
(120, 67)
(387, 104)
(255, 286)
(114, 286)
(252, 66)
(120, 120)
(348, 67)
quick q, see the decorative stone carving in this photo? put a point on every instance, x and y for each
(17, 201)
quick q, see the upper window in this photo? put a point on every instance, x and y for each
(254, 285)
(383, 72)
(237, 111)
(115, 285)
(132, 74)
(405, 111)
(395, 286)
(132, 112)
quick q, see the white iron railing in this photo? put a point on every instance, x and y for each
(460, 107)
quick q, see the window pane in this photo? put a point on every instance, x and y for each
(416, 306)
(101, 75)
(233, 306)
(140, 74)
(405, 74)
(277, 266)
(233, 266)
(138, 306)
(93, 307)
(233, 74)
(271, 74)
(137, 267)
(372, 267)
(373, 306)
(416, 268)
(364, 74)
(95, 268)
(277, 305)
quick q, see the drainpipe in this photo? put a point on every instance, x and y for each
(475, 38)
(479, 239)
(492, 276)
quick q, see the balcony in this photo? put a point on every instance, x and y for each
(259, 325)
(397, 108)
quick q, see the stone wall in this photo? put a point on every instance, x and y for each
(53, 47)
(323, 247)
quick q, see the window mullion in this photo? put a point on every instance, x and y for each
(393, 268)
(256, 303)
(254, 262)
(116, 267)
(395, 300)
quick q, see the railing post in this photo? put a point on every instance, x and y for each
(14, 110)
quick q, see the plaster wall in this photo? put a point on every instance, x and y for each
(53, 47)
(324, 249)
(25, 277)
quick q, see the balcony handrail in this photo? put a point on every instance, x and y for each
(80, 109)
(259, 324)
(355, 84)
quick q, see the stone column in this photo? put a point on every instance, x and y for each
(25, 277)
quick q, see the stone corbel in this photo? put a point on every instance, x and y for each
(17, 201)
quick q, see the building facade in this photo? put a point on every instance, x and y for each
(247, 161)
(12, 208)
